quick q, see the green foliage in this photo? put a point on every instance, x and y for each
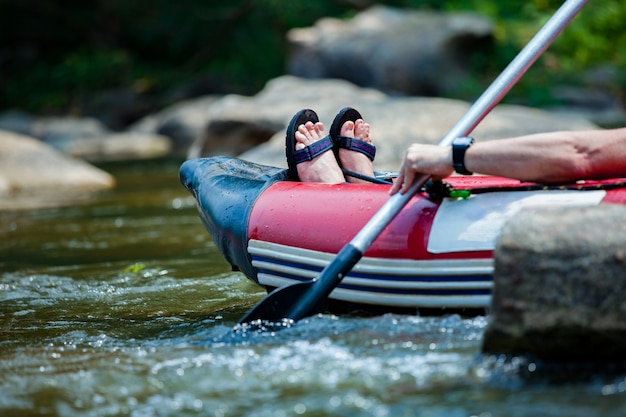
(593, 39)
(134, 268)
(56, 52)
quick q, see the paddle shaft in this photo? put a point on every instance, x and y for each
(311, 294)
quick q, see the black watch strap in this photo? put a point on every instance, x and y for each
(459, 146)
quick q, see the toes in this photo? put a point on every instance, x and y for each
(302, 137)
(362, 131)
(310, 132)
(357, 129)
(319, 129)
(347, 129)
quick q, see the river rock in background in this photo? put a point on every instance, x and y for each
(184, 122)
(29, 167)
(87, 138)
(393, 50)
(559, 285)
(120, 146)
(199, 127)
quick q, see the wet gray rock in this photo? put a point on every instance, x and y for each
(120, 146)
(87, 138)
(394, 50)
(52, 129)
(31, 168)
(560, 287)
(596, 104)
(184, 122)
(212, 125)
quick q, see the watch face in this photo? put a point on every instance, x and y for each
(463, 141)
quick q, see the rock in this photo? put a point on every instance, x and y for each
(87, 138)
(52, 129)
(595, 104)
(115, 146)
(233, 137)
(131, 146)
(394, 50)
(29, 167)
(560, 292)
(396, 122)
(185, 123)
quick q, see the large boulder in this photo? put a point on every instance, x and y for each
(559, 285)
(185, 123)
(113, 146)
(394, 50)
(88, 138)
(30, 168)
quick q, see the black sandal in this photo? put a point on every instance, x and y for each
(353, 144)
(308, 153)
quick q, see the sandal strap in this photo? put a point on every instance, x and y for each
(314, 150)
(374, 180)
(357, 145)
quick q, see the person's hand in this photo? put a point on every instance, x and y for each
(432, 160)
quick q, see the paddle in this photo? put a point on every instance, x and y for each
(296, 301)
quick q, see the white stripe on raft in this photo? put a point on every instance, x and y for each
(373, 280)
(368, 265)
(392, 300)
(379, 283)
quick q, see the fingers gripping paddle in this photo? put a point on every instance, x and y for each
(303, 299)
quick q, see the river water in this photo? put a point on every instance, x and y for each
(121, 306)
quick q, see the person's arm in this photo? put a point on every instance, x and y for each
(546, 157)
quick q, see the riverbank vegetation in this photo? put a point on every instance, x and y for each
(56, 53)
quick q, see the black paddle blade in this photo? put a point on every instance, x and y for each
(282, 304)
(303, 299)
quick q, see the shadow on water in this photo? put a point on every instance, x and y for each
(122, 305)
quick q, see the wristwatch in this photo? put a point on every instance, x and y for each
(459, 146)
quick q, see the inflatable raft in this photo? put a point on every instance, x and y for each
(437, 253)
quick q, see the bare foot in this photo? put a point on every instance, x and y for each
(323, 168)
(352, 160)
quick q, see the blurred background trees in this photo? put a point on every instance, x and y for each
(55, 54)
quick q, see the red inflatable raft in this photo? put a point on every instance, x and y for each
(437, 253)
